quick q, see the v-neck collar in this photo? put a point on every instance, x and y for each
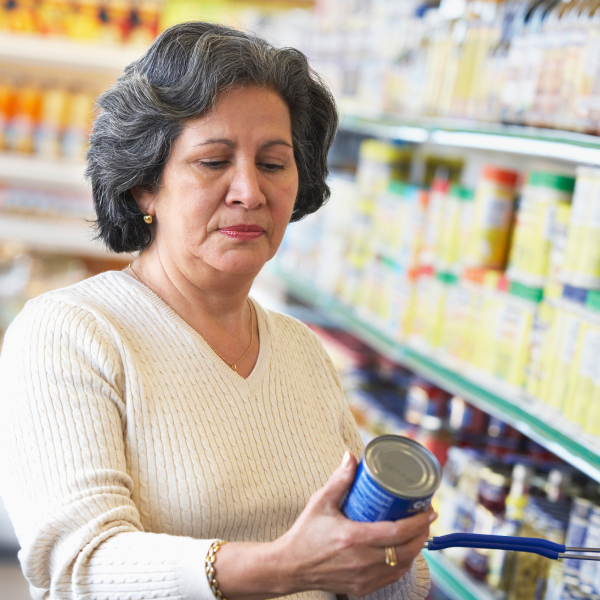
(250, 384)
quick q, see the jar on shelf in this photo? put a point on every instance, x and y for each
(492, 218)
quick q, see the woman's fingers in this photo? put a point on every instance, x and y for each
(396, 533)
(328, 498)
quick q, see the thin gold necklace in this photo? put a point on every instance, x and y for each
(230, 364)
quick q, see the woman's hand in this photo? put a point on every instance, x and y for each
(326, 551)
(323, 550)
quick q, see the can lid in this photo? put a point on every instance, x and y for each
(383, 152)
(397, 187)
(502, 176)
(533, 294)
(440, 185)
(449, 278)
(575, 294)
(593, 300)
(462, 193)
(474, 274)
(564, 183)
(402, 467)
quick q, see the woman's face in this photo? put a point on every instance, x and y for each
(229, 186)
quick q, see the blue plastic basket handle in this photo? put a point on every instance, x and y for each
(498, 542)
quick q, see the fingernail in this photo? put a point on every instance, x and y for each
(346, 460)
(433, 517)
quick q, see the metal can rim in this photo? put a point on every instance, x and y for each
(425, 452)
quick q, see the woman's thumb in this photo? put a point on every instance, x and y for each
(339, 482)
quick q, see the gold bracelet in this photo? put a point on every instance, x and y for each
(211, 557)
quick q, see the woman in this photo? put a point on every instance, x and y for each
(149, 413)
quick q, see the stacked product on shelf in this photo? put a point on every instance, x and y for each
(523, 494)
(111, 22)
(528, 62)
(495, 480)
(25, 274)
(45, 203)
(44, 119)
(506, 292)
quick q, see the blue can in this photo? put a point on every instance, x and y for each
(396, 478)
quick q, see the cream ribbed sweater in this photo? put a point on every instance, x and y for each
(127, 445)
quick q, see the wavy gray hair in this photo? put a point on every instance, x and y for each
(180, 77)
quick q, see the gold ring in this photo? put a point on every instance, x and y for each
(390, 556)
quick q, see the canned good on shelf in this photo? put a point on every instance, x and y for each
(435, 222)
(539, 348)
(456, 229)
(565, 350)
(536, 225)
(379, 164)
(513, 332)
(582, 261)
(581, 384)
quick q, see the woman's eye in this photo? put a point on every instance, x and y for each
(213, 164)
(272, 167)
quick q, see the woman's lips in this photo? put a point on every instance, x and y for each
(243, 232)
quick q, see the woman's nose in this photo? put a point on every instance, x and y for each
(245, 188)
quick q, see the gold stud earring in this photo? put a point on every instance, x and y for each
(148, 219)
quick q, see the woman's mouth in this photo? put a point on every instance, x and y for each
(243, 232)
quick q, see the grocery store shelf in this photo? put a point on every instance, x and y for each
(31, 170)
(533, 419)
(453, 581)
(57, 52)
(531, 141)
(53, 235)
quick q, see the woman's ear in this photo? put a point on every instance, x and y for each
(143, 198)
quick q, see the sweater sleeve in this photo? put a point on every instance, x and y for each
(414, 585)
(63, 471)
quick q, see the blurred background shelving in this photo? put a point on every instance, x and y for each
(564, 146)
(525, 414)
(26, 48)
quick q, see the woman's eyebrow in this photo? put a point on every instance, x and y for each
(230, 144)
(276, 143)
(216, 141)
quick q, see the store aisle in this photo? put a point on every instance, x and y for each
(12, 583)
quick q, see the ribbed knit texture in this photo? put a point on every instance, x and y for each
(127, 446)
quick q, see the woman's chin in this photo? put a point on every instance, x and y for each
(240, 266)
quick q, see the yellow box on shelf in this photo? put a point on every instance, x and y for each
(483, 325)
(379, 163)
(542, 205)
(440, 289)
(562, 361)
(456, 229)
(540, 347)
(514, 324)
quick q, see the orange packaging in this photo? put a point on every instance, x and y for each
(83, 21)
(19, 16)
(8, 101)
(53, 16)
(20, 129)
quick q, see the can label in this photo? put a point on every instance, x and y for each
(368, 502)
(575, 537)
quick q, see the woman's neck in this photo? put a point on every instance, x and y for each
(211, 302)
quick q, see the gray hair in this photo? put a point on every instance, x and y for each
(180, 77)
